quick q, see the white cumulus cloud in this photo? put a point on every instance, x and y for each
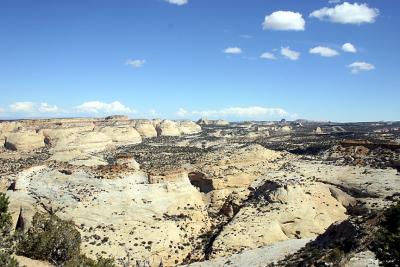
(178, 2)
(349, 48)
(135, 63)
(284, 21)
(360, 66)
(347, 13)
(33, 107)
(22, 106)
(101, 107)
(268, 55)
(243, 112)
(290, 54)
(233, 50)
(324, 51)
(47, 108)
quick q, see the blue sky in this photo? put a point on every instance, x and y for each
(152, 58)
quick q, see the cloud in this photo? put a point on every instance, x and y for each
(178, 2)
(284, 21)
(182, 112)
(347, 13)
(242, 112)
(101, 107)
(233, 50)
(2, 110)
(135, 63)
(33, 108)
(22, 106)
(324, 51)
(268, 55)
(46, 108)
(334, 1)
(360, 66)
(290, 54)
(350, 48)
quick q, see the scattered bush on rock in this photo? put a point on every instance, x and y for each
(58, 241)
(6, 240)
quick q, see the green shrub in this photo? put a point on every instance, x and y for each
(5, 216)
(387, 240)
(6, 240)
(58, 241)
(7, 261)
(83, 261)
(50, 238)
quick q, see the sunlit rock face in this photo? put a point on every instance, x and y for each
(145, 128)
(168, 128)
(24, 140)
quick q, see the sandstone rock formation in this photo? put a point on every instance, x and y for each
(294, 211)
(146, 129)
(213, 122)
(168, 128)
(233, 194)
(24, 140)
(122, 135)
(189, 127)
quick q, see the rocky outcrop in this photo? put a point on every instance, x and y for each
(122, 135)
(146, 129)
(168, 128)
(24, 141)
(162, 221)
(239, 167)
(318, 130)
(292, 210)
(189, 127)
(213, 122)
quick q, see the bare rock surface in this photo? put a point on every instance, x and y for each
(219, 194)
(24, 140)
(168, 128)
(146, 129)
(258, 257)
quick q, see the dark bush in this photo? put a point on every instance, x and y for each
(5, 216)
(50, 238)
(387, 240)
(6, 241)
(83, 261)
(7, 261)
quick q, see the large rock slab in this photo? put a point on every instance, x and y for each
(151, 221)
(146, 129)
(122, 135)
(189, 127)
(168, 128)
(237, 166)
(291, 210)
(24, 141)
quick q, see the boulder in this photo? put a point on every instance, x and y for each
(189, 127)
(168, 128)
(146, 129)
(24, 141)
(125, 159)
(318, 130)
